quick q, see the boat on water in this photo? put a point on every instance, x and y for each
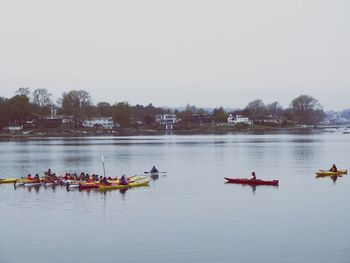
(14, 180)
(251, 181)
(323, 173)
(122, 186)
(346, 131)
(330, 130)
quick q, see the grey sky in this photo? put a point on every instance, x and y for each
(207, 53)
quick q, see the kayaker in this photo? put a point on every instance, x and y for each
(154, 170)
(36, 178)
(333, 168)
(105, 181)
(123, 180)
(253, 175)
(29, 177)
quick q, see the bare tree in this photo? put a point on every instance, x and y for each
(42, 100)
(23, 91)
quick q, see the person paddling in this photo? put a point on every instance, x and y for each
(105, 181)
(123, 180)
(253, 175)
(333, 168)
(154, 170)
(36, 178)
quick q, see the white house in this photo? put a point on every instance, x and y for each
(166, 119)
(14, 128)
(105, 122)
(235, 119)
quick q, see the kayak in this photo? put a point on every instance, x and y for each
(8, 180)
(250, 181)
(122, 186)
(72, 185)
(32, 184)
(322, 173)
(13, 180)
(91, 185)
(52, 183)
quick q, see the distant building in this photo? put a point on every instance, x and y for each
(56, 121)
(335, 119)
(105, 122)
(166, 119)
(14, 128)
(238, 119)
(267, 120)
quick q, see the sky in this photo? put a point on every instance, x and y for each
(171, 53)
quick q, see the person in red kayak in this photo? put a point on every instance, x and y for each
(253, 175)
(333, 168)
(29, 177)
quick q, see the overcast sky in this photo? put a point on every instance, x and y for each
(207, 53)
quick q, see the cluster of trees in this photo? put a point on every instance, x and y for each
(302, 110)
(25, 105)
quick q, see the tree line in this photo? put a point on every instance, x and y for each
(26, 105)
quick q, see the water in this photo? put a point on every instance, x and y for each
(189, 214)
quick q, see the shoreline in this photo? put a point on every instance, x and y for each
(151, 132)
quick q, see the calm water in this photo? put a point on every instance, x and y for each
(187, 215)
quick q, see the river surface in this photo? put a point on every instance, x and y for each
(186, 215)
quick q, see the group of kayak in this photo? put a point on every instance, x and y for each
(82, 181)
(333, 172)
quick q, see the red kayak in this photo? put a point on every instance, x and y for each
(250, 181)
(92, 185)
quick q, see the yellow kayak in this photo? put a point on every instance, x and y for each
(322, 173)
(131, 179)
(13, 180)
(8, 180)
(121, 186)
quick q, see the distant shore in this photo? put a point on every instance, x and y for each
(33, 134)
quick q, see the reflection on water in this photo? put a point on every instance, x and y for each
(189, 215)
(252, 187)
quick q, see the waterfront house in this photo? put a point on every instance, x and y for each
(105, 122)
(14, 128)
(56, 121)
(238, 119)
(267, 120)
(168, 120)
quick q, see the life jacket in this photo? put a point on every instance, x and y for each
(124, 181)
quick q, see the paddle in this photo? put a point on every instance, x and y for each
(155, 172)
(103, 163)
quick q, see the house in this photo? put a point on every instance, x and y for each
(267, 120)
(56, 121)
(166, 119)
(105, 122)
(14, 128)
(238, 119)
